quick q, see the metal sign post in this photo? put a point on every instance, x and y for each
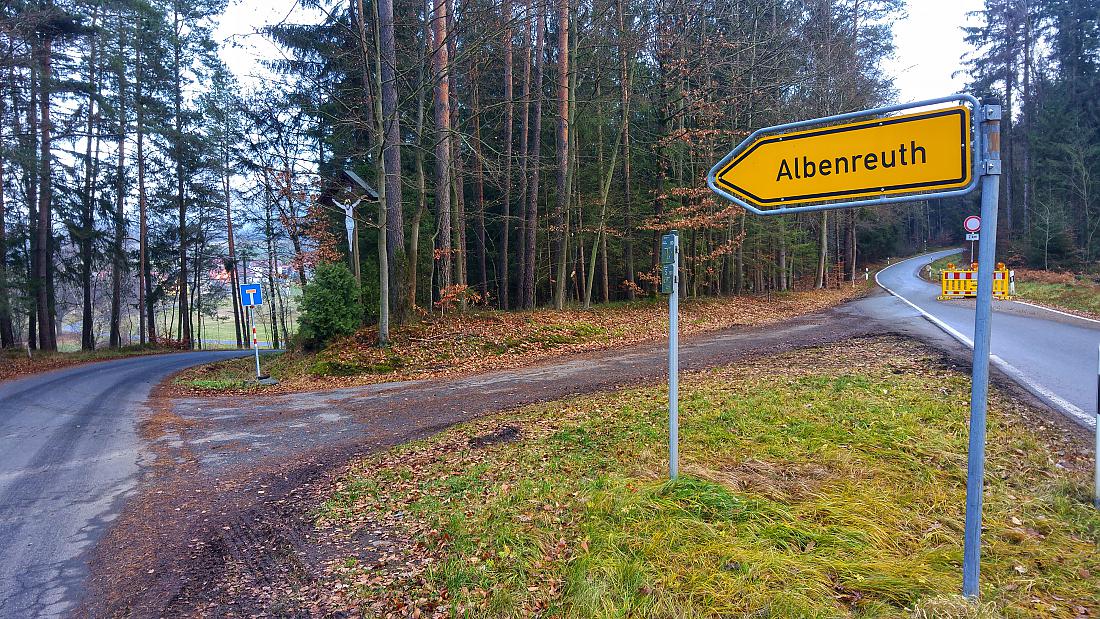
(979, 381)
(251, 296)
(885, 159)
(1096, 478)
(972, 225)
(255, 341)
(670, 285)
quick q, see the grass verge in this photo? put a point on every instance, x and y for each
(823, 483)
(1073, 293)
(481, 339)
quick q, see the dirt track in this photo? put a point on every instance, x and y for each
(234, 481)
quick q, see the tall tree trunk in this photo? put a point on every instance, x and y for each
(177, 101)
(822, 249)
(47, 335)
(479, 193)
(442, 95)
(853, 241)
(118, 262)
(239, 323)
(782, 234)
(146, 322)
(31, 188)
(7, 329)
(27, 138)
(1007, 129)
(397, 260)
(269, 233)
(1025, 121)
(628, 189)
(382, 140)
(86, 235)
(534, 161)
(601, 230)
(509, 113)
(196, 291)
(421, 178)
(458, 173)
(561, 209)
(524, 135)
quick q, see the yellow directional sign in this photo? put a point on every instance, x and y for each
(911, 153)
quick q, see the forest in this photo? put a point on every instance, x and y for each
(464, 153)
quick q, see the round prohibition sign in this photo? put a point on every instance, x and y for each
(972, 223)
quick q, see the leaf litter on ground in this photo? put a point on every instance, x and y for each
(485, 339)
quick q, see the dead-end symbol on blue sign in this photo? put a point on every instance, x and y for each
(251, 295)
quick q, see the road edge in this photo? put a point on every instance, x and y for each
(1056, 311)
(1048, 397)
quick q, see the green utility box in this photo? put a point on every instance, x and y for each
(669, 247)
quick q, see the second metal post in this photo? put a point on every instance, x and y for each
(979, 382)
(674, 364)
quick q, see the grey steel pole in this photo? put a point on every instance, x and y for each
(1096, 477)
(674, 366)
(979, 384)
(255, 340)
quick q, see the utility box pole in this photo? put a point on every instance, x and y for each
(670, 285)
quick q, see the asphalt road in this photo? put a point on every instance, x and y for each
(1052, 355)
(69, 455)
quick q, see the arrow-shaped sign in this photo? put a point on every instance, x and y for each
(869, 159)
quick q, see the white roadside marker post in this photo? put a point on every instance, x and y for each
(255, 340)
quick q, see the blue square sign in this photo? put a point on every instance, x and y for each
(251, 295)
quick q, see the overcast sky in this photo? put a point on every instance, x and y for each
(929, 43)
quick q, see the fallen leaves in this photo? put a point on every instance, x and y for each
(482, 339)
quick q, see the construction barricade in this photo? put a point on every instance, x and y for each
(963, 283)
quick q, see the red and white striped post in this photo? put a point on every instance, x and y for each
(255, 341)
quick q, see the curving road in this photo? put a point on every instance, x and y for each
(1053, 355)
(69, 455)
